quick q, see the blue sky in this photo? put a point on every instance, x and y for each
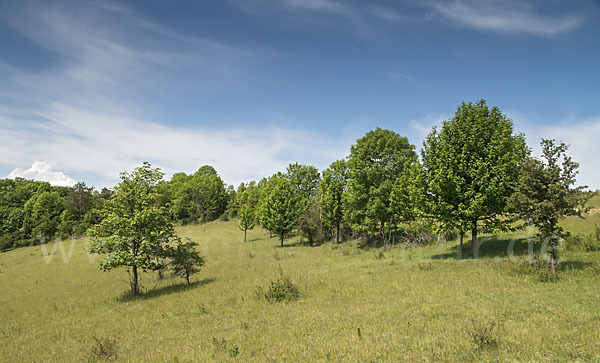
(90, 89)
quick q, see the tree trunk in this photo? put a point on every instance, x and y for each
(460, 246)
(337, 238)
(281, 238)
(245, 235)
(553, 259)
(382, 232)
(187, 277)
(474, 246)
(134, 283)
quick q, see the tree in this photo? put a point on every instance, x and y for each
(79, 200)
(332, 188)
(310, 224)
(45, 214)
(201, 197)
(470, 168)
(280, 207)
(135, 229)
(305, 179)
(406, 194)
(375, 164)
(247, 218)
(184, 259)
(545, 193)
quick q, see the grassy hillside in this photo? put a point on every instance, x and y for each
(356, 304)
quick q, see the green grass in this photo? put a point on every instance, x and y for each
(356, 304)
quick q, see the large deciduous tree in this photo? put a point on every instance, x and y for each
(546, 193)
(376, 163)
(470, 167)
(135, 229)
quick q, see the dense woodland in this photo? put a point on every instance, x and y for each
(465, 180)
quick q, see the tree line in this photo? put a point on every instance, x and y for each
(474, 174)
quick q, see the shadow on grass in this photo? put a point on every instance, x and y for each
(165, 290)
(491, 247)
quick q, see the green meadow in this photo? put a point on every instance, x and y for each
(356, 303)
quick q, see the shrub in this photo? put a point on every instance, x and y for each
(483, 334)
(311, 226)
(416, 233)
(103, 349)
(282, 289)
(588, 243)
(540, 268)
(5, 242)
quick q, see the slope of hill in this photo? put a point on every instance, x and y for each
(356, 303)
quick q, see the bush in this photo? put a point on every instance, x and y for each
(282, 289)
(311, 226)
(5, 242)
(103, 349)
(416, 233)
(483, 334)
(539, 267)
(588, 243)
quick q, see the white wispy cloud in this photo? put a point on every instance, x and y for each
(103, 145)
(42, 171)
(82, 113)
(422, 127)
(504, 17)
(387, 13)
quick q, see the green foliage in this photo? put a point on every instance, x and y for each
(184, 259)
(32, 211)
(200, 197)
(305, 180)
(136, 227)
(331, 191)
(44, 214)
(588, 243)
(545, 193)
(377, 162)
(247, 200)
(311, 225)
(280, 207)
(79, 200)
(470, 167)
(246, 219)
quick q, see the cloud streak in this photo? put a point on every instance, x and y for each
(504, 17)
